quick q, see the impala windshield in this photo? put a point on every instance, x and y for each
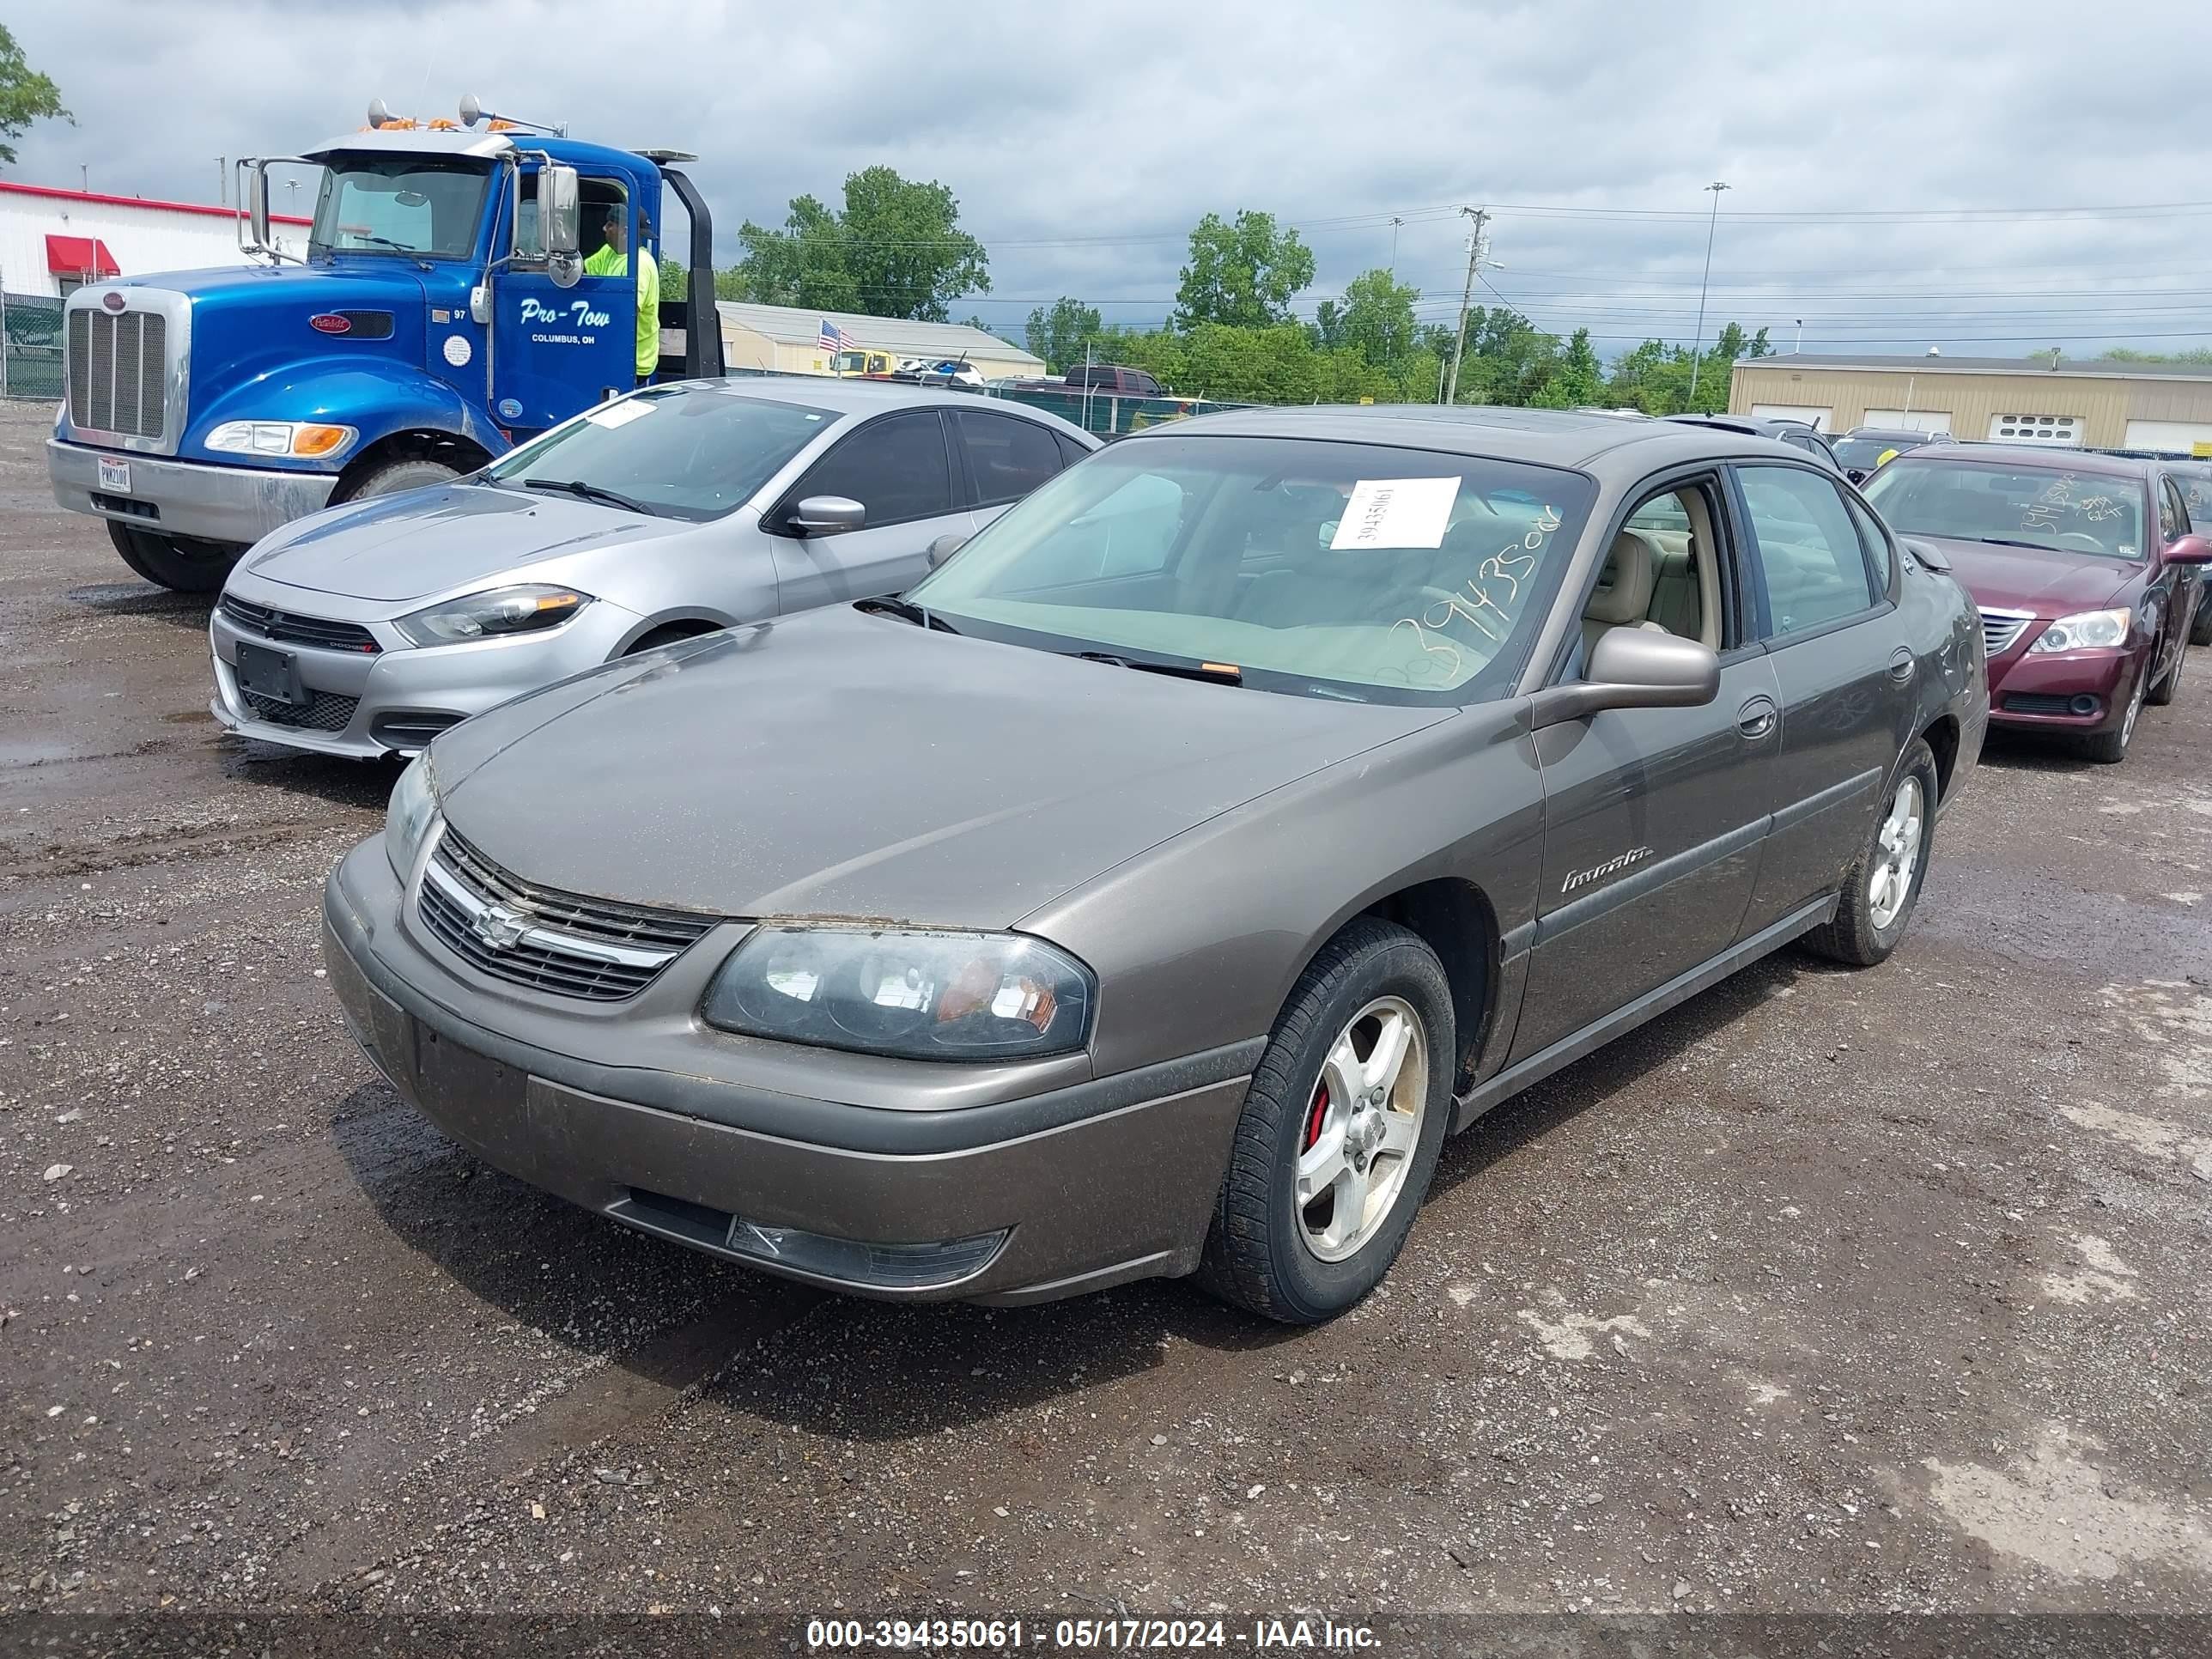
(2097, 514)
(1326, 569)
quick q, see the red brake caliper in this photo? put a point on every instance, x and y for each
(1314, 1113)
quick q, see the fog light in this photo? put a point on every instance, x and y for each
(2084, 704)
(850, 1262)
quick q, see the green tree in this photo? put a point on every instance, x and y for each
(1577, 379)
(895, 249)
(1058, 335)
(1377, 320)
(1243, 273)
(26, 96)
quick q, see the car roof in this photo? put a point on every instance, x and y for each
(859, 396)
(2048, 460)
(1538, 437)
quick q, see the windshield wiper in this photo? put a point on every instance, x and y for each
(907, 610)
(589, 492)
(2014, 541)
(1220, 673)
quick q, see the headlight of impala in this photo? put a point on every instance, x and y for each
(528, 608)
(302, 441)
(407, 820)
(916, 993)
(2086, 630)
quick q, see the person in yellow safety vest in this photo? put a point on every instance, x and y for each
(611, 260)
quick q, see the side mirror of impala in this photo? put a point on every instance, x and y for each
(1632, 668)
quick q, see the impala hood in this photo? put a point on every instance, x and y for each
(400, 548)
(839, 763)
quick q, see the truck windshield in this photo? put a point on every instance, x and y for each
(693, 452)
(404, 205)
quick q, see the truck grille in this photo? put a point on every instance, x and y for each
(118, 372)
(500, 924)
(2001, 630)
(293, 629)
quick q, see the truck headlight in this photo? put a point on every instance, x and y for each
(407, 819)
(2085, 630)
(528, 608)
(299, 440)
(917, 993)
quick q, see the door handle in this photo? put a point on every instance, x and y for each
(1902, 664)
(1756, 719)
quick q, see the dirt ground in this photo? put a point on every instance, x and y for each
(1828, 1292)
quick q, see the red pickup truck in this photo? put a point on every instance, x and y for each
(1102, 380)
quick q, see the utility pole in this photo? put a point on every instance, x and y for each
(1476, 249)
(222, 180)
(1698, 350)
(1394, 222)
(1800, 346)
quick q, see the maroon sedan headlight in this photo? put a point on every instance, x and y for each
(2086, 630)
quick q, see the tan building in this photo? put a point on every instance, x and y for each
(788, 339)
(2086, 404)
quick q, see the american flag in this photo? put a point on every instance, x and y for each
(834, 338)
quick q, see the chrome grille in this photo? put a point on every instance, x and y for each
(324, 711)
(298, 630)
(2001, 630)
(118, 372)
(514, 930)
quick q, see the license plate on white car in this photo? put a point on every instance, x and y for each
(115, 476)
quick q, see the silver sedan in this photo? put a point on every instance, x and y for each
(367, 629)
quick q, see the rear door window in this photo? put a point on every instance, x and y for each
(1007, 456)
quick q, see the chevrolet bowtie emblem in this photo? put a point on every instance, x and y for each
(499, 927)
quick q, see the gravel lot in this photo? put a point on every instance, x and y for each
(1828, 1292)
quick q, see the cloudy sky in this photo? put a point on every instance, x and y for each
(1989, 178)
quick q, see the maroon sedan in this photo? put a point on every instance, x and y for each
(2084, 569)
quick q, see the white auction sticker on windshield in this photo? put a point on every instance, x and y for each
(1396, 512)
(618, 414)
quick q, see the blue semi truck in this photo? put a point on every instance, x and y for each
(443, 312)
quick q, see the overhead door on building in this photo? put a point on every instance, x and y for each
(1816, 416)
(2064, 430)
(2178, 437)
(1916, 420)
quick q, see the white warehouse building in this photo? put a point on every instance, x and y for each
(52, 241)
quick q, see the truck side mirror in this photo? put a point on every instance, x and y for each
(559, 211)
(257, 204)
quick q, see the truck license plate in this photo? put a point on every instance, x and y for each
(115, 476)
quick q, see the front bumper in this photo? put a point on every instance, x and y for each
(366, 705)
(2032, 690)
(236, 505)
(1092, 1184)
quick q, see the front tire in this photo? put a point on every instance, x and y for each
(2200, 626)
(2162, 693)
(1340, 1130)
(395, 476)
(2109, 748)
(1882, 885)
(180, 563)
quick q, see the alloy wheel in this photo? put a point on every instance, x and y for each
(1897, 845)
(1362, 1125)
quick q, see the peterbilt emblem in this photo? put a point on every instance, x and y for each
(112, 300)
(499, 927)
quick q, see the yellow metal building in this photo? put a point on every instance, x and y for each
(787, 339)
(2092, 403)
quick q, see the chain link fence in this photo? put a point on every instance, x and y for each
(31, 346)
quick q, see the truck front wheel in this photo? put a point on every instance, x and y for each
(393, 476)
(183, 563)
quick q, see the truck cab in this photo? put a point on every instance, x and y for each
(870, 365)
(462, 291)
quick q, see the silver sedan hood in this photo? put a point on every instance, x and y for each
(420, 541)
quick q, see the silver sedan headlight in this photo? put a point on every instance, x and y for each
(2085, 630)
(917, 993)
(407, 819)
(525, 608)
